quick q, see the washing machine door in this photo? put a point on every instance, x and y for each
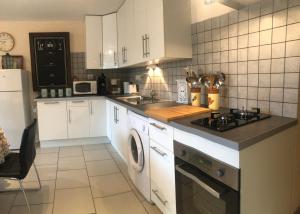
(136, 151)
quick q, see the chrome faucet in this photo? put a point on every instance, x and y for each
(152, 91)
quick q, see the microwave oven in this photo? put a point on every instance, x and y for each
(84, 87)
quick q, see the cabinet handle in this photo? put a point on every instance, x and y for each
(158, 126)
(117, 117)
(156, 193)
(78, 101)
(115, 114)
(125, 54)
(70, 116)
(51, 103)
(92, 109)
(147, 45)
(143, 40)
(158, 151)
(115, 60)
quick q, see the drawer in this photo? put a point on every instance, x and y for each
(160, 200)
(161, 133)
(78, 103)
(162, 187)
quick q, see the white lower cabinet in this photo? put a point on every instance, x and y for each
(162, 178)
(78, 119)
(52, 120)
(97, 125)
(119, 129)
(71, 119)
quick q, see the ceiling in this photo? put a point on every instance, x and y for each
(55, 9)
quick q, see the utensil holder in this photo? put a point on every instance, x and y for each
(213, 99)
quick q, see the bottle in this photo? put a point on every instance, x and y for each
(101, 85)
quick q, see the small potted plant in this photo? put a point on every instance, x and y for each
(4, 146)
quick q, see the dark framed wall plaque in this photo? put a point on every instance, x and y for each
(50, 60)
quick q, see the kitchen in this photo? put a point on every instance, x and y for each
(102, 151)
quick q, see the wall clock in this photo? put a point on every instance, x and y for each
(7, 42)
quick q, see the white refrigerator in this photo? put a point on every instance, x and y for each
(14, 105)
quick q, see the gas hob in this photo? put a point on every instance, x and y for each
(224, 121)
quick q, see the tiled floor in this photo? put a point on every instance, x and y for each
(77, 180)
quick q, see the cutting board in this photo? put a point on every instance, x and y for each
(172, 113)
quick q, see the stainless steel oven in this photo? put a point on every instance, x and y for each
(204, 185)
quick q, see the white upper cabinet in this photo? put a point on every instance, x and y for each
(126, 39)
(110, 41)
(162, 30)
(94, 42)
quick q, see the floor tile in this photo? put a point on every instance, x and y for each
(68, 163)
(136, 191)
(104, 167)
(92, 147)
(73, 201)
(96, 155)
(70, 151)
(47, 172)
(108, 185)
(43, 196)
(6, 201)
(151, 208)
(46, 159)
(35, 209)
(125, 203)
(9, 185)
(72, 179)
(47, 150)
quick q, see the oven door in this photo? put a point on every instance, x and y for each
(198, 193)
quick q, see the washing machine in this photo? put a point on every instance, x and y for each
(139, 153)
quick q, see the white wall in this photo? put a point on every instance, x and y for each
(201, 11)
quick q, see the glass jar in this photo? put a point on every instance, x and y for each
(196, 96)
(213, 99)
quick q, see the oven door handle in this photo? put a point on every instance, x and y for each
(209, 189)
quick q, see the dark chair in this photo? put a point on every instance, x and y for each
(18, 164)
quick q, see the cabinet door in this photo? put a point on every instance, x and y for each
(155, 43)
(126, 33)
(109, 118)
(140, 30)
(110, 47)
(123, 131)
(121, 18)
(79, 121)
(162, 187)
(113, 125)
(93, 37)
(52, 120)
(98, 118)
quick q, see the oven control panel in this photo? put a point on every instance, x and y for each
(208, 165)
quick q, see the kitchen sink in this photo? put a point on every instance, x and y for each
(141, 100)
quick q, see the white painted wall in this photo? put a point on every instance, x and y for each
(201, 11)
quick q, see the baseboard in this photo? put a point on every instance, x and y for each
(74, 142)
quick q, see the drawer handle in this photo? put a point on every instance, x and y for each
(158, 126)
(164, 202)
(158, 151)
(51, 103)
(78, 101)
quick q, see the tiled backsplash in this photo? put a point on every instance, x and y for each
(258, 48)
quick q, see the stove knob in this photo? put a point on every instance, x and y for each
(183, 153)
(220, 173)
